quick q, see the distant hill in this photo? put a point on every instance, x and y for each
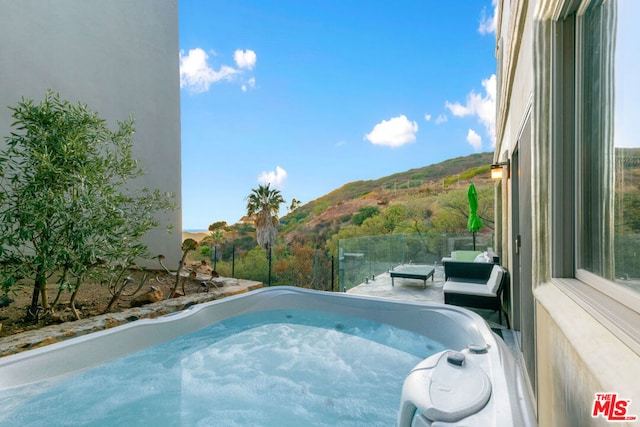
(325, 215)
(428, 201)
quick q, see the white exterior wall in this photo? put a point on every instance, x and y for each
(120, 57)
(514, 108)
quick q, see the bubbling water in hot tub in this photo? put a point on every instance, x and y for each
(279, 367)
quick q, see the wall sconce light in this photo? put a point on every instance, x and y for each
(498, 170)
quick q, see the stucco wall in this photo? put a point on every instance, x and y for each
(577, 358)
(577, 355)
(121, 58)
(520, 78)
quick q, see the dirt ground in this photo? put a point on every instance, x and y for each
(92, 300)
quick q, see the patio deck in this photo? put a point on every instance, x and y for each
(413, 290)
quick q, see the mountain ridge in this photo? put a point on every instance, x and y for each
(328, 213)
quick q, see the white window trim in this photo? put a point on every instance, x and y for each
(617, 308)
(599, 298)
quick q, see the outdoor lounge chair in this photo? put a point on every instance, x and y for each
(468, 270)
(477, 268)
(478, 293)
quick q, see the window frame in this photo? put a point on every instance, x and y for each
(614, 306)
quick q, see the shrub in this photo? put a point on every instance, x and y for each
(67, 208)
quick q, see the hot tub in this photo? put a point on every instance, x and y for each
(472, 380)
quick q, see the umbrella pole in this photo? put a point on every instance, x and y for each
(474, 240)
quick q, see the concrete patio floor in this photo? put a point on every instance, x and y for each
(414, 290)
(404, 289)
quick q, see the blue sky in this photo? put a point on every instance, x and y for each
(310, 95)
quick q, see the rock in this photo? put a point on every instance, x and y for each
(112, 323)
(46, 341)
(203, 268)
(5, 301)
(151, 296)
(65, 316)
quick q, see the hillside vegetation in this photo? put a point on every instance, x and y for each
(431, 199)
(427, 197)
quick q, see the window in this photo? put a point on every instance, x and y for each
(586, 89)
(608, 141)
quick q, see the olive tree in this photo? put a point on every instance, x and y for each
(68, 209)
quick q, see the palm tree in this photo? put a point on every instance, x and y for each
(263, 205)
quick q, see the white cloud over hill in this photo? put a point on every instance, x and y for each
(394, 132)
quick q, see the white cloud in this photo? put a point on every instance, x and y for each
(474, 140)
(458, 109)
(482, 106)
(441, 119)
(394, 132)
(197, 75)
(488, 23)
(250, 84)
(245, 58)
(427, 117)
(275, 178)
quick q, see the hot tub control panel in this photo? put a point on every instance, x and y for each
(446, 387)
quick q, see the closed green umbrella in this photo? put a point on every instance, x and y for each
(474, 223)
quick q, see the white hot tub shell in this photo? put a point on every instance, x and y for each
(476, 382)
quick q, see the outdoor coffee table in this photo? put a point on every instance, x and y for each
(412, 271)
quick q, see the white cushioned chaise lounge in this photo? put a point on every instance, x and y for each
(473, 292)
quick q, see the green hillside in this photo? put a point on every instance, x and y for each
(427, 200)
(448, 171)
(418, 189)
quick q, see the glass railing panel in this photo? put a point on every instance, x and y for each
(360, 259)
